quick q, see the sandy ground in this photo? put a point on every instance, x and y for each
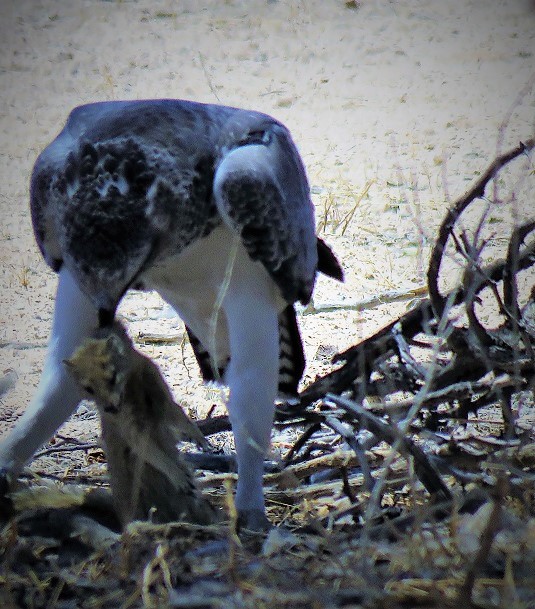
(395, 106)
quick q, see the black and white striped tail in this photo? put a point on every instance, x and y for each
(291, 357)
(205, 361)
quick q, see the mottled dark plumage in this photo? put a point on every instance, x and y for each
(129, 183)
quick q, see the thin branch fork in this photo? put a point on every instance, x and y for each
(476, 192)
(351, 438)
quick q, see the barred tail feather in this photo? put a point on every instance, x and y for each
(291, 358)
(204, 360)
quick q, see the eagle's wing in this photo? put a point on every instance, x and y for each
(261, 192)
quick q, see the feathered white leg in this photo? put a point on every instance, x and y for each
(252, 377)
(57, 395)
